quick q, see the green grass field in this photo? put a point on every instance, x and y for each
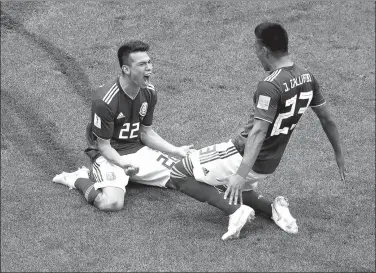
(53, 53)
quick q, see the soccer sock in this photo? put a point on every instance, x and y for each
(257, 202)
(86, 186)
(182, 179)
(204, 193)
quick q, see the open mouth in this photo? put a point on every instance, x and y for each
(147, 79)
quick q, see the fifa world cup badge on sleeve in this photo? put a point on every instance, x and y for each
(97, 121)
(263, 102)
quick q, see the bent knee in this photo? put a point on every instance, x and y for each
(107, 205)
(111, 199)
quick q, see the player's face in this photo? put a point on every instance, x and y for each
(261, 53)
(140, 69)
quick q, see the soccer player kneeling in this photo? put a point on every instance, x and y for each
(232, 169)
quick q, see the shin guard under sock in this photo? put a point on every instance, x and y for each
(204, 193)
(257, 202)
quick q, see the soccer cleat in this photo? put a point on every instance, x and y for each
(68, 179)
(282, 216)
(237, 221)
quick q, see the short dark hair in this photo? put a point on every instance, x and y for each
(273, 36)
(128, 48)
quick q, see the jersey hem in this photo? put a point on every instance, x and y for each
(319, 104)
(264, 119)
(146, 125)
(100, 137)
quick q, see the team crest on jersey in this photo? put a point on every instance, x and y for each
(110, 176)
(143, 109)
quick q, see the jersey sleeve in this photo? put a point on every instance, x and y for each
(266, 100)
(317, 98)
(102, 120)
(148, 119)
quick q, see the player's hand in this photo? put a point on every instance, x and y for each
(235, 184)
(183, 150)
(131, 170)
(191, 151)
(341, 166)
(128, 167)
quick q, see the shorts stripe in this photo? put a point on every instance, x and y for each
(219, 154)
(190, 164)
(176, 173)
(95, 176)
(204, 158)
(186, 165)
(98, 172)
(218, 157)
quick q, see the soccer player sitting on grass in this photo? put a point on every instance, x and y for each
(121, 140)
(235, 167)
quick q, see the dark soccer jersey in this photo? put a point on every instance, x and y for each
(280, 99)
(115, 116)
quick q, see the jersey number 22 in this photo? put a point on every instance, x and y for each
(124, 132)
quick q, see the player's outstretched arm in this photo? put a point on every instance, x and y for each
(151, 139)
(235, 182)
(331, 132)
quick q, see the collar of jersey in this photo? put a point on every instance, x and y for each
(126, 92)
